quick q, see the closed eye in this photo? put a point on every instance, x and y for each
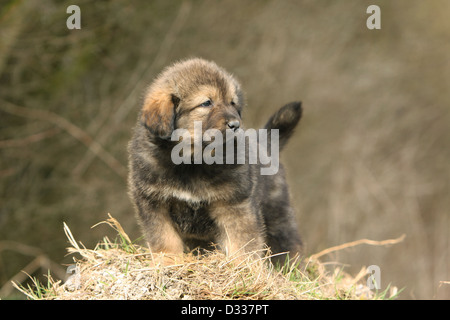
(207, 103)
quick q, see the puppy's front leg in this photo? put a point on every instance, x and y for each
(239, 229)
(159, 230)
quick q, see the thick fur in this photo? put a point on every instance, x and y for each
(231, 206)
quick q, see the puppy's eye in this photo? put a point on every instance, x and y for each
(233, 103)
(207, 103)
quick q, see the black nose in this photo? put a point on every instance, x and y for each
(234, 124)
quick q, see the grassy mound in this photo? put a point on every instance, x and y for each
(122, 270)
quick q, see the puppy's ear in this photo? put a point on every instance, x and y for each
(158, 113)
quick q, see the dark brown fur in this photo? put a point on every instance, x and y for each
(181, 207)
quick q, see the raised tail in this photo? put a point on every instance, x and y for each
(285, 120)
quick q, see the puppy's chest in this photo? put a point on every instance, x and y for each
(192, 220)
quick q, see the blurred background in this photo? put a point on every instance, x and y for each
(371, 158)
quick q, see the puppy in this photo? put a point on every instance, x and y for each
(184, 206)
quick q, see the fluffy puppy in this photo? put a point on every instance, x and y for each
(184, 206)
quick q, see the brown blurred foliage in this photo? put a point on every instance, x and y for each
(369, 160)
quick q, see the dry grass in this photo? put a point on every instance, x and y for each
(123, 270)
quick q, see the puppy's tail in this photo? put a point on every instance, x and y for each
(285, 120)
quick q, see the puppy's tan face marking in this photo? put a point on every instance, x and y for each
(209, 106)
(201, 95)
(191, 91)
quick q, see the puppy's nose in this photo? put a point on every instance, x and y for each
(234, 124)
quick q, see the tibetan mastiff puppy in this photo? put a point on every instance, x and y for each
(183, 206)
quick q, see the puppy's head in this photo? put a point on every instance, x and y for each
(189, 91)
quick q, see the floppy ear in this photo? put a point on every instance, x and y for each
(158, 113)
